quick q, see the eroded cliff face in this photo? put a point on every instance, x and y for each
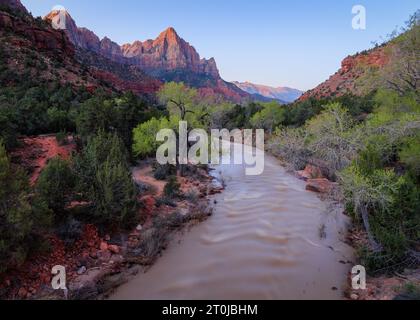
(42, 38)
(168, 52)
(352, 68)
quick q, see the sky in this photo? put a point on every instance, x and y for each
(294, 43)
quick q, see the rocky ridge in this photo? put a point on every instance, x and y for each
(345, 80)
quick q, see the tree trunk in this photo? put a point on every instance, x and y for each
(376, 247)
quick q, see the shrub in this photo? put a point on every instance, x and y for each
(162, 172)
(410, 155)
(331, 138)
(290, 145)
(172, 188)
(56, 184)
(61, 138)
(389, 207)
(20, 224)
(113, 195)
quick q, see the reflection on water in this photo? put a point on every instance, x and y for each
(263, 242)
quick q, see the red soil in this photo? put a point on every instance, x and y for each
(35, 274)
(37, 151)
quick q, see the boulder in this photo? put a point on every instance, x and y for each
(320, 185)
(310, 172)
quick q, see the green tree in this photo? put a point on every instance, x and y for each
(113, 195)
(56, 184)
(105, 180)
(19, 223)
(144, 135)
(271, 116)
(179, 99)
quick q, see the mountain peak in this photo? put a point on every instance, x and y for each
(170, 34)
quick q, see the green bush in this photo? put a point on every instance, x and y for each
(56, 184)
(113, 195)
(20, 224)
(410, 155)
(392, 204)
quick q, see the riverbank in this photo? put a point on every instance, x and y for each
(98, 262)
(404, 285)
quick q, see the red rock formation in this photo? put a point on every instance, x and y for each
(169, 52)
(149, 86)
(168, 58)
(14, 5)
(352, 68)
(320, 185)
(45, 39)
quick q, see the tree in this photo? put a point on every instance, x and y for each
(113, 195)
(118, 115)
(331, 138)
(55, 184)
(18, 221)
(402, 73)
(105, 179)
(144, 135)
(179, 99)
(270, 117)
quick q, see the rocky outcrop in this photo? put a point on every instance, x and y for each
(138, 87)
(282, 94)
(14, 5)
(46, 39)
(352, 68)
(169, 52)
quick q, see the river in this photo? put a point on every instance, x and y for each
(268, 238)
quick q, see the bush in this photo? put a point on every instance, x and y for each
(113, 195)
(389, 207)
(162, 172)
(410, 155)
(20, 224)
(172, 188)
(61, 138)
(56, 184)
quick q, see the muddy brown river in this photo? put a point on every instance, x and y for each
(268, 238)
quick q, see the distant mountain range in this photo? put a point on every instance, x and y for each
(143, 66)
(282, 94)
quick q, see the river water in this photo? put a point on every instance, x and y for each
(268, 238)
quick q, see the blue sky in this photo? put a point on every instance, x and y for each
(296, 43)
